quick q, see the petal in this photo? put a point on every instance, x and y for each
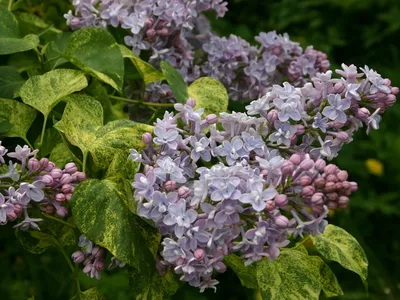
(268, 194)
(169, 220)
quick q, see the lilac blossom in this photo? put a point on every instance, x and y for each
(336, 109)
(258, 196)
(180, 217)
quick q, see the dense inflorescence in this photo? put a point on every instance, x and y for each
(176, 31)
(253, 182)
(30, 183)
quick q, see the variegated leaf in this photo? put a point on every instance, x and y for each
(246, 274)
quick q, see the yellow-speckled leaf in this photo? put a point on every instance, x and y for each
(293, 275)
(101, 214)
(338, 245)
(95, 51)
(147, 71)
(83, 116)
(91, 294)
(43, 92)
(120, 134)
(10, 41)
(247, 275)
(61, 155)
(19, 115)
(156, 287)
(328, 280)
(209, 94)
(175, 82)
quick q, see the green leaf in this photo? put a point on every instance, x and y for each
(247, 275)
(175, 81)
(98, 91)
(61, 155)
(338, 245)
(328, 280)
(82, 125)
(209, 94)
(91, 294)
(55, 48)
(10, 41)
(10, 81)
(43, 92)
(101, 214)
(5, 126)
(51, 138)
(147, 71)
(293, 275)
(19, 115)
(156, 287)
(95, 51)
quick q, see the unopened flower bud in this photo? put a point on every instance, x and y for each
(307, 164)
(170, 185)
(331, 169)
(343, 136)
(353, 186)
(87, 269)
(44, 162)
(80, 176)
(331, 178)
(163, 32)
(281, 200)
(199, 254)
(332, 196)
(212, 119)
(330, 187)
(150, 33)
(300, 129)
(11, 216)
(282, 222)
(70, 168)
(220, 267)
(387, 82)
(264, 173)
(191, 102)
(97, 252)
(332, 205)
(99, 265)
(56, 173)
(272, 116)
(147, 138)
(319, 182)
(184, 192)
(363, 113)
(390, 100)
(394, 90)
(18, 209)
(68, 197)
(62, 212)
(308, 191)
(47, 179)
(50, 166)
(305, 180)
(33, 164)
(287, 168)
(320, 165)
(295, 159)
(317, 199)
(65, 179)
(49, 209)
(66, 188)
(60, 197)
(270, 205)
(342, 175)
(343, 201)
(339, 87)
(78, 257)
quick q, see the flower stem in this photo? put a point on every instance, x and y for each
(43, 130)
(58, 220)
(142, 102)
(85, 155)
(10, 4)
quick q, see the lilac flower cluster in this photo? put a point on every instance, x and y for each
(34, 183)
(251, 182)
(175, 30)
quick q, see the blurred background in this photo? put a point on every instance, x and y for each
(350, 31)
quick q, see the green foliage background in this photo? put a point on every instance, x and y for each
(349, 31)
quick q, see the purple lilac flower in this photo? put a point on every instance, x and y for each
(336, 109)
(258, 196)
(180, 217)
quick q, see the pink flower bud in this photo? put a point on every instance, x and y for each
(338, 186)
(363, 113)
(150, 33)
(342, 175)
(70, 168)
(346, 185)
(320, 165)
(331, 178)
(199, 254)
(163, 32)
(281, 200)
(394, 90)
(147, 138)
(307, 164)
(65, 179)
(78, 257)
(272, 116)
(68, 197)
(66, 188)
(212, 119)
(343, 201)
(300, 129)
(56, 173)
(11, 217)
(287, 168)
(50, 166)
(18, 210)
(329, 187)
(339, 87)
(33, 164)
(390, 100)
(305, 180)
(98, 252)
(87, 269)
(62, 212)
(99, 265)
(331, 169)
(270, 205)
(308, 191)
(295, 159)
(343, 136)
(220, 267)
(353, 186)
(332, 205)
(282, 222)
(47, 179)
(184, 192)
(191, 102)
(49, 209)
(60, 197)
(44, 162)
(319, 182)
(387, 82)
(170, 186)
(332, 196)
(264, 173)
(80, 176)
(317, 199)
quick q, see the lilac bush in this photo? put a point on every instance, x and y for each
(250, 183)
